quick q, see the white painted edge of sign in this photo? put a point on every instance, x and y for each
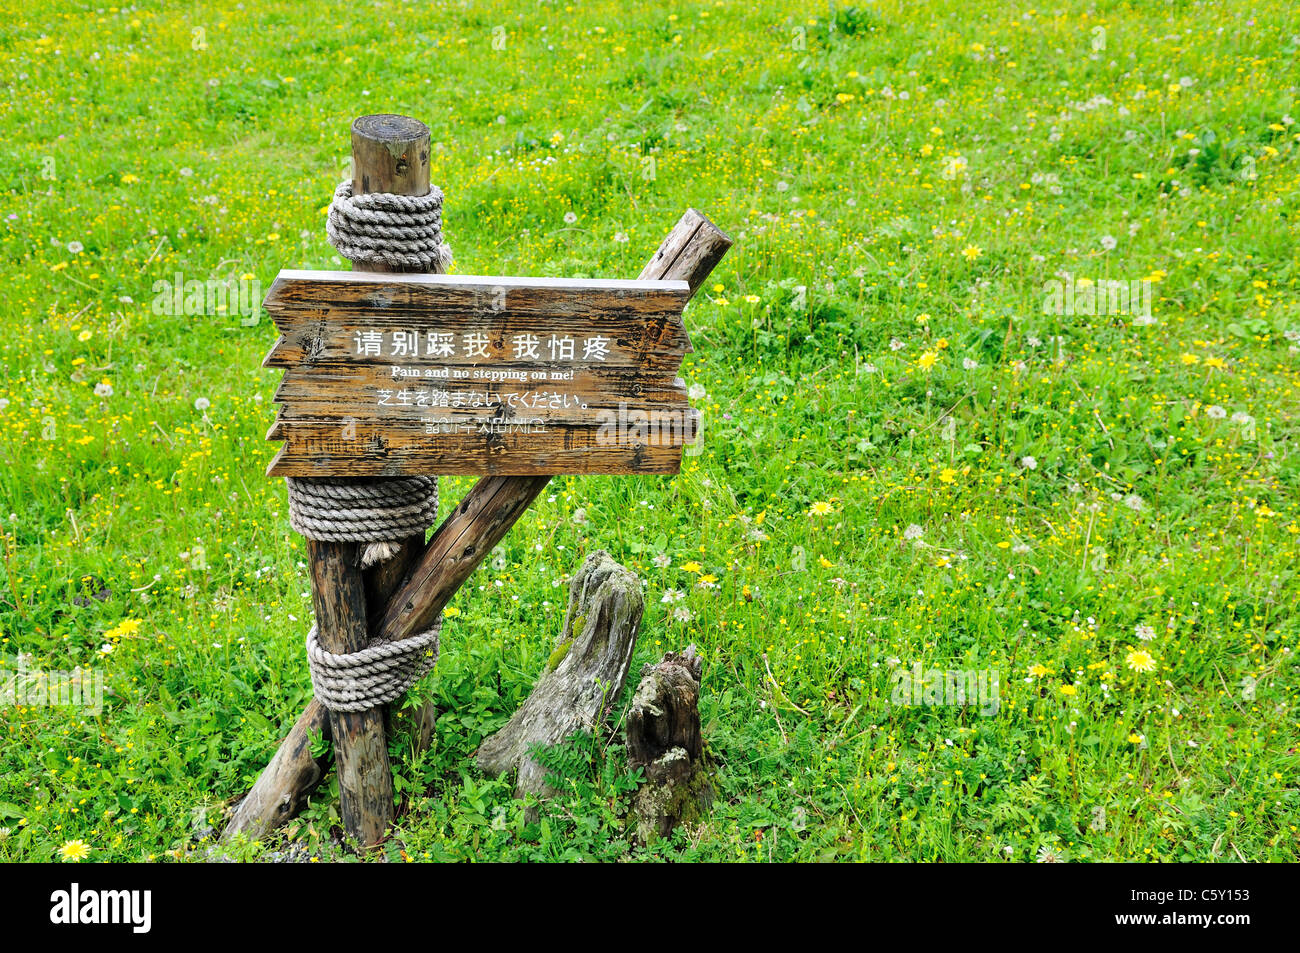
(490, 281)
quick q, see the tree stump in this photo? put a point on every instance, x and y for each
(583, 677)
(663, 739)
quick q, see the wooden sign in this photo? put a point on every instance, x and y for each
(396, 374)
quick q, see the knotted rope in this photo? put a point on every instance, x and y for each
(376, 675)
(403, 231)
(381, 512)
(381, 227)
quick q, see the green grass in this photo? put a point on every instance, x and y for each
(875, 342)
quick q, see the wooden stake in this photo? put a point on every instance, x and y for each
(389, 154)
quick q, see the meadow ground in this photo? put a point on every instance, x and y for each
(934, 435)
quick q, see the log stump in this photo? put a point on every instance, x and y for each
(664, 740)
(582, 679)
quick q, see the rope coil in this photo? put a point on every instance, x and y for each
(389, 229)
(387, 509)
(374, 676)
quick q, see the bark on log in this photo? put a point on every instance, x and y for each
(663, 739)
(583, 677)
(285, 784)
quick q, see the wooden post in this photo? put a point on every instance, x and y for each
(389, 154)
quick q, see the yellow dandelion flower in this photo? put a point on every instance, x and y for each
(122, 629)
(927, 360)
(74, 850)
(820, 508)
(1140, 660)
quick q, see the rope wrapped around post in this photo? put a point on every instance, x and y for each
(382, 227)
(380, 513)
(405, 232)
(375, 676)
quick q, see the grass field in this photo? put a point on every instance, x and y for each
(919, 450)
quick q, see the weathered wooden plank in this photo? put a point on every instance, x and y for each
(372, 390)
(465, 373)
(431, 323)
(521, 460)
